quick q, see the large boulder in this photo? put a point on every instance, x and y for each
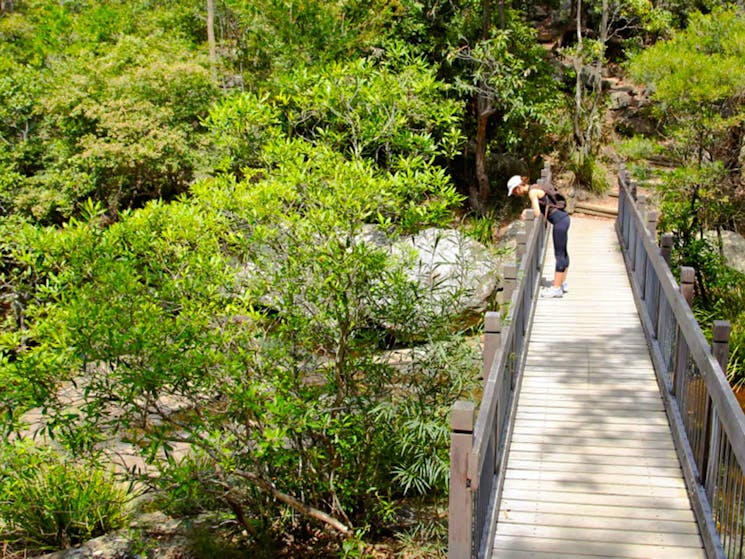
(733, 248)
(456, 273)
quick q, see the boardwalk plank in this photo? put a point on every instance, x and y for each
(661, 459)
(638, 471)
(592, 479)
(598, 488)
(571, 510)
(571, 498)
(515, 547)
(590, 448)
(575, 520)
(600, 534)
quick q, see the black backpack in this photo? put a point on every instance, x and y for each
(554, 198)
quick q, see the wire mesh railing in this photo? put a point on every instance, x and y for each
(707, 422)
(480, 442)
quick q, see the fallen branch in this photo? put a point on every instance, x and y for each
(299, 506)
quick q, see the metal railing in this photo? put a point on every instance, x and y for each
(478, 451)
(708, 424)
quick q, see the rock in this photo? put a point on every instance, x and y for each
(456, 273)
(733, 248)
(167, 539)
(620, 100)
(117, 545)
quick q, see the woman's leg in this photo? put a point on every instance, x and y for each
(561, 254)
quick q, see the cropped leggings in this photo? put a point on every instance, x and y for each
(561, 222)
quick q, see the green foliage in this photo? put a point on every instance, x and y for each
(277, 36)
(123, 126)
(510, 69)
(692, 200)
(588, 171)
(380, 110)
(638, 148)
(698, 72)
(418, 420)
(426, 540)
(241, 124)
(96, 111)
(49, 501)
(246, 323)
(697, 79)
(480, 228)
(720, 296)
(723, 299)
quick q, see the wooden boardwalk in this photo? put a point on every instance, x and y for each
(592, 471)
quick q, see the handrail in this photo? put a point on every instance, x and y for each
(708, 424)
(478, 452)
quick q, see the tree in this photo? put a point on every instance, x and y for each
(121, 128)
(597, 22)
(380, 109)
(697, 78)
(510, 81)
(245, 325)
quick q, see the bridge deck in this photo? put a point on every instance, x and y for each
(592, 471)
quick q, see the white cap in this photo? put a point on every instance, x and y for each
(513, 183)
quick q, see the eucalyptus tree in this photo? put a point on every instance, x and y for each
(515, 98)
(696, 78)
(596, 23)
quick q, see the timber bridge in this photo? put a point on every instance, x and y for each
(606, 427)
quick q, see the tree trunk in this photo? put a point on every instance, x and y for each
(577, 121)
(485, 18)
(479, 197)
(211, 37)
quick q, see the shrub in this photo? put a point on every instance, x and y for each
(49, 501)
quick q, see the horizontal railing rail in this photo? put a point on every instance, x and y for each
(707, 422)
(478, 451)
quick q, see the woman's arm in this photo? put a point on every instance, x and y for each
(536, 194)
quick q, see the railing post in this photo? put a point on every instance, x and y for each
(680, 366)
(460, 510)
(545, 174)
(509, 273)
(687, 277)
(666, 247)
(529, 219)
(633, 187)
(641, 204)
(522, 241)
(640, 255)
(530, 222)
(492, 340)
(720, 350)
(720, 342)
(652, 218)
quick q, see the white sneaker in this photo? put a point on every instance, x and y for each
(552, 293)
(565, 287)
